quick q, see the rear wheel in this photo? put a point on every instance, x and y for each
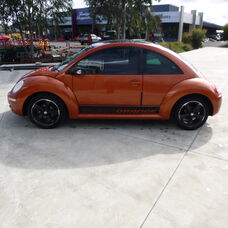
(46, 111)
(191, 113)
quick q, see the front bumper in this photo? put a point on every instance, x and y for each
(14, 103)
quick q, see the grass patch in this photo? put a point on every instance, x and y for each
(177, 47)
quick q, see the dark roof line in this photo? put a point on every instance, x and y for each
(212, 25)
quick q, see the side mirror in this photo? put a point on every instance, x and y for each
(74, 71)
(79, 72)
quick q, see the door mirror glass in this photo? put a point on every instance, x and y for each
(79, 71)
(75, 71)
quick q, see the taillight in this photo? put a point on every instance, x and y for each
(215, 88)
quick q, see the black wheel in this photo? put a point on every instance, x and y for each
(46, 111)
(191, 113)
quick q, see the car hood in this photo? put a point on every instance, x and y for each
(42, 72)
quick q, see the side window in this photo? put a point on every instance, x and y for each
(111, 61)
(155, 63)
(94, 64)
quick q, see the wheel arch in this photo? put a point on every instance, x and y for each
(41, 85)
(194, 95)
(25, 105)
(193, 87)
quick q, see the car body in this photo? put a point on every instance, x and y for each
(214, 37)
(117, 79)
(85, 38)
(109, 35)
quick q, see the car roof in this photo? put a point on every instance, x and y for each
(139, 41)
(133, 41)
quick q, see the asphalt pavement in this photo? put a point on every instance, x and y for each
(116, 173)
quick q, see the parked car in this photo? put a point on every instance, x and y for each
(85, 38)
(61, 39)
(110, 35)
(214, 37)
(117, 80)
(156, 37)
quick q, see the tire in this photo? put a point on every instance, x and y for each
(46, 111)
(191, 113)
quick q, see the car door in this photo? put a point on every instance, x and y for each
(108, 77)
(160, 74)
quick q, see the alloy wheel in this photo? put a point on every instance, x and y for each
(192, 114)
(45, 112)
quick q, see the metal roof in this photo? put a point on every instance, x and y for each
(165, 8)
(212, 25)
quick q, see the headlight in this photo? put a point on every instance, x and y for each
(18, 86)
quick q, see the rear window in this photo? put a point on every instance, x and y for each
(155, 63)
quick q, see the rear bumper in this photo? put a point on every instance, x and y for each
(217, 102)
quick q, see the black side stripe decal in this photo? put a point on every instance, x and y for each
(118, 109)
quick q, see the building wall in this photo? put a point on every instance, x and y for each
(81, 22)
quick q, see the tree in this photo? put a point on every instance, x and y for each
(57, 11)
(225, 32)
(111, 10)
(143, 22)
(4, 14)
(121, 13)
(195, 38)
(33, 16)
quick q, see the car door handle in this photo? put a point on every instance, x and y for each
(135, 83)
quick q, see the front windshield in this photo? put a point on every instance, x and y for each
(63, 64)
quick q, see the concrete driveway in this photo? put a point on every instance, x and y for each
(114, 173)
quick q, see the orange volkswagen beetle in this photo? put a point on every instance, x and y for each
(117, 79)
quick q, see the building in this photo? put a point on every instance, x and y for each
(175, 21)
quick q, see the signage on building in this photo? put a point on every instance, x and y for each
(84, 18)
(169, 17)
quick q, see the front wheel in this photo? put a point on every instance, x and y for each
(191, 113)
(46, 111)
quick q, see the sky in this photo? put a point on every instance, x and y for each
(215, 11)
